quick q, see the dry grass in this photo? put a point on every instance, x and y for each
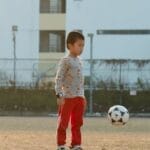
(38, 133)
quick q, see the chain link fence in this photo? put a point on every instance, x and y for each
(107, 74)
(120, 74)
(26, 73)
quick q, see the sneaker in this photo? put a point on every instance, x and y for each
(62, 148)
(76, 148)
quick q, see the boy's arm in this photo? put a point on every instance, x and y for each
(62, 67)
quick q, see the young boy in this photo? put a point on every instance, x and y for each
(69, 87)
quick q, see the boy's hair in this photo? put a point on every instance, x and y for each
(73, 36)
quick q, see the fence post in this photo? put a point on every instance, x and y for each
(14, 30)
(90, 35)
(120, 83)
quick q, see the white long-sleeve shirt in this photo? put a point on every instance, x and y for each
(69, 78)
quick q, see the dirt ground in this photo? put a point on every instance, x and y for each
(38, 133)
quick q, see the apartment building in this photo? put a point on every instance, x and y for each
(115, 30)
(52, 24)
(52, 28)
(19, 40)
(96, 16)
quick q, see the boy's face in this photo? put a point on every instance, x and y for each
(76, 48)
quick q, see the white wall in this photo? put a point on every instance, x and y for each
(24, 14)
(90, 15)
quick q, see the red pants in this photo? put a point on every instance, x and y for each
(72, 109)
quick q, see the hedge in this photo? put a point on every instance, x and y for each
(36, 100)
(33, 100)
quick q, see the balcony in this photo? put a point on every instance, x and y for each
(52, 21)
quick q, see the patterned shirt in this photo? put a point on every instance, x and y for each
(69, 77)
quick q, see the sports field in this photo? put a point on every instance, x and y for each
(38, 133)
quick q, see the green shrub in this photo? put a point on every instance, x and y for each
(36, 100)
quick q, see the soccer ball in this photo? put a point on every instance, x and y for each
(118, 115)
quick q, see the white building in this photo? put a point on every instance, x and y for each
(92, 15)
(25, 15)
(22, 16)
(40, 35)
(42, 26)
(128, 25)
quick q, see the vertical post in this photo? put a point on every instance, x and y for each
(90, 35)
(14, 30)
(120, 84)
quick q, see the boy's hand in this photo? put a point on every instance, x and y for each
(60, 101)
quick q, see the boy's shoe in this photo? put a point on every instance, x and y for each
(76, 148)
(62, 148)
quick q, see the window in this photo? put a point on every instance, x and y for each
(53, 6)
(44, 6)
(124, 32)
(52, 41)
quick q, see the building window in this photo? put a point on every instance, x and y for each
(52, 6)
(124, 32)
(52, 41)
(55, 6)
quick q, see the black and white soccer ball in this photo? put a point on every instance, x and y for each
(118, 115)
